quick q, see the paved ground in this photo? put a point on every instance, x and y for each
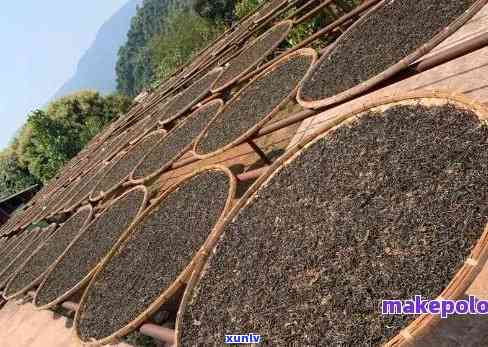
(22, 326)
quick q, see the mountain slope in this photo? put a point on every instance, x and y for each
(96, 68)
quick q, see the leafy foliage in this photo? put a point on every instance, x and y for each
(347, 5)
(246, 7)
(135, 67)
(164, 34)
(52, 136)
(13, 176)
(186, 34)
(215, 10)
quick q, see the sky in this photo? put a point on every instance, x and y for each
(42, 42)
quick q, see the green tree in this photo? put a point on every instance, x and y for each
(54, 135)
(135, 67)
(216, 11)
(186, 34)
(13, 176)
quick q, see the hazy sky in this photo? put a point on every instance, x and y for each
(42, 42)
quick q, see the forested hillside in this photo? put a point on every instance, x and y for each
(165, 34)
(134, 65)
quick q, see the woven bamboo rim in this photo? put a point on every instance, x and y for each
(71, 205)
(35, 215)
(175, 91)
(108, 149)
(27, 215)
(164, 166)
(288, 24)
(10, 230)
(119, 146)
(217, 72)
(104, 194)
(203, 70)
(228, 54)
(8, 240)
(268, 14)
(160, 112)
(50, 229)
(168, 293)
(233, 36)
(143, 129)
(461, 280)
(55, 206)
(14, 222)
(392, 70)
(28, 237)
(82, 283)
(40, 278)
(248, 133)
(17, 245)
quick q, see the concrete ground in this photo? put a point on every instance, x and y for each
(23, 326)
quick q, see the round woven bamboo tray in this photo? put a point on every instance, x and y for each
(174, 114)
(392, 70)
(179, 282)
(167, 165)
(41, 210)
(54, 206)
(10, 268)
(40, 278)
(20, 243)
(10, 226)
(6, 257)
(459, 283)
(67, 205)
(142, 128)
(108, 149)
(287, 24)
(90, 184)
(9, 241)
(81, 284)
(117, 185)
(302, 52)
